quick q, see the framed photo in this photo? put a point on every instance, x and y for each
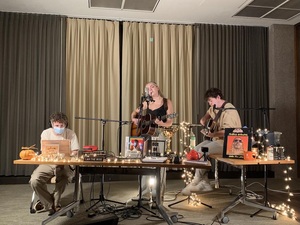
(157, 147)
(236, 142)
(134, 147)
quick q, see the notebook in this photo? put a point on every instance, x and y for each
(155, 159)
(49, 147)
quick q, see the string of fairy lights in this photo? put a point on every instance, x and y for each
(284, 208)
(261, 141)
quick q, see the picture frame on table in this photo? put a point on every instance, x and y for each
(157, 147)
(236, 142)
(134, 147)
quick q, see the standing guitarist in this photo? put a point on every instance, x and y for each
(216, 119)
(154, 106)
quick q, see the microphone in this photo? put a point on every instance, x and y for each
(148, 98)
(214, 107)
(146, 92)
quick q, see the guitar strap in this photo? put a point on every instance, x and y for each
(165, 104)
(220, 112)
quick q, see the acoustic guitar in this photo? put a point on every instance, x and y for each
(146, 125)
(210, 126)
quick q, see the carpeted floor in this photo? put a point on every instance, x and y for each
(15, 200)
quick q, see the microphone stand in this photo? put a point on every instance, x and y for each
(102, 198)
(103, 121)
(148, 99)
(138, 129)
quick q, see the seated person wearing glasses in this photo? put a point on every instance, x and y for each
(221, 120)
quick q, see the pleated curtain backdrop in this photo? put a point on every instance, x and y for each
(160, 53)
(93, 81)
(32, 73)
(234, 59)
(97, 69)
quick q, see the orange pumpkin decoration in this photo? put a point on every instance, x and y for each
(27, 154)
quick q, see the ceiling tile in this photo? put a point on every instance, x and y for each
(292, 4)
(267, 3)
(106, 3)
(144, 5)
(148, 5)
(283, 14)
(271, 9)
(250, 11)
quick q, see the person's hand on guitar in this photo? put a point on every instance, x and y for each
(206, 121)
(135, 121)
(159, 122)
(207, 133)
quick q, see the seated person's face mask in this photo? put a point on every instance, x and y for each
(58, 127)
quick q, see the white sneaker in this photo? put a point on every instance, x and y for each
(186, 191)
(204, 186)
(143, 198)
(189, 189)
(196, 180)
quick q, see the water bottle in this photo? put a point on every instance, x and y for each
(192, 140)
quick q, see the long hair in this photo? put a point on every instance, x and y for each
(159, 91)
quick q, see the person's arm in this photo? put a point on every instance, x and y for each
(74, 144)
(219, 133)
(204, 119)
(204, 122)
(169, 121)
(134, 116)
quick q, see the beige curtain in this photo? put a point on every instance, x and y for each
(93, 71)
(160, 53)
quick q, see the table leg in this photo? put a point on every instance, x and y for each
(161, 209)
(241, 199)
(217, 181)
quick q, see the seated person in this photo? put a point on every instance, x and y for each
(222, 119)
(43, 173)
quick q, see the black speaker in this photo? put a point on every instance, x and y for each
(101, 220)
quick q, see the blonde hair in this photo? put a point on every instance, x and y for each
(159, 91)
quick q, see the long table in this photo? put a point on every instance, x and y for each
(242, 197)
(119, 166)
